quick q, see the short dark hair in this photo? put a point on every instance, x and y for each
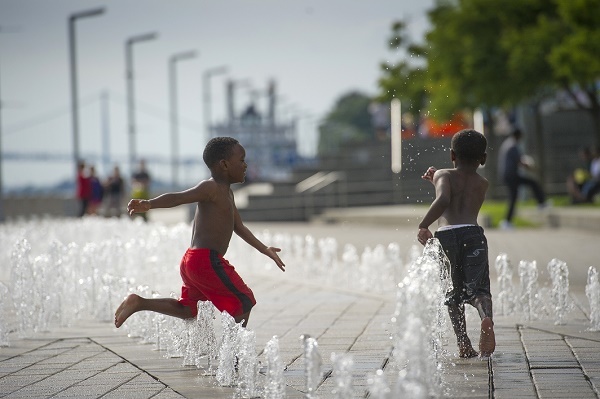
(517, 133)
(469, 145)
(218, 148)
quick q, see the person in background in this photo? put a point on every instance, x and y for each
(83, 189)
(96, 193)
(140, 185)
(115, 190)
(510, 160)
(592, 186)
(580, 176)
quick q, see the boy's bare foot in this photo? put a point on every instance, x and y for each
(129, 306)
(487, 339)
(465, 349)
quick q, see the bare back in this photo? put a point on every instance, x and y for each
(467, 191)
(214, 219)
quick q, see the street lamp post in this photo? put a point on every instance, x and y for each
(130, 91)
(206, 76)
(73, 67)
(174, 119)
(1, 161)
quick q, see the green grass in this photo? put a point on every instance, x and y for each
(496, 210)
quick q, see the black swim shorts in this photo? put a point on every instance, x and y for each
(467, 250)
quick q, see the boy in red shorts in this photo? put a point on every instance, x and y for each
(459, 194)
(205, 273)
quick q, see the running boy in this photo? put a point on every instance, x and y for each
(205, 273)
(459, 194)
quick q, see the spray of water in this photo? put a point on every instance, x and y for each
(343, 364)
(312, 365)
(592, 291)
(207, 341)
(248, 365)
(378, 386)
(420, 323)
(227, 373)
(505, 299)
(559, 273)
(4, 327)
(529, 295)
(275, 384)
(22, 277)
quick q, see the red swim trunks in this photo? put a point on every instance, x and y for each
(208, 276)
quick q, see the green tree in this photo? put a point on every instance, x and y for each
(405, 78)
(482, 53)
(349, 120)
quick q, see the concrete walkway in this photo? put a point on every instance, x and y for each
(533, 359)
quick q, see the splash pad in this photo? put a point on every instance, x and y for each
(54, 261)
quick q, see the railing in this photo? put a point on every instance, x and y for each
(311, 186)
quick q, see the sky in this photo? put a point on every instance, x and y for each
(315, 51)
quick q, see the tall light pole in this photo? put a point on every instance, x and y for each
(130, 92)
(206, 76)
(73, 68)
(174, 119)
(1, 160)
(396, 147)
(396, 133)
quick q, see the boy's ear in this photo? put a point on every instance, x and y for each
(223, 163)
(483, 159)
(452, 155)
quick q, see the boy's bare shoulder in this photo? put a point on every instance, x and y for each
(207, 189)
(440, 173)
(208, 184)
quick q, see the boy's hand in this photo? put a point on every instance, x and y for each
(428, 175)
(138, 206)
(424, 235)
(271, 252)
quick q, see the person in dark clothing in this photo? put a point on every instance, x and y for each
(97, 192)
(510, 161)
(115, 189)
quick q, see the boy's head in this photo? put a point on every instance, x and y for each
(218, 148)
(470, 146)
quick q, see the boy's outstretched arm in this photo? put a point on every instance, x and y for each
(441, 181)
(245, 234)
(201, 192)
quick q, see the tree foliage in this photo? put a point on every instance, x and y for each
(484, 53)
(349, 120)
(405, 78)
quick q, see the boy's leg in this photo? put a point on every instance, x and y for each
(487, 338)
(134, 303)
(513, 191)
(457, 317)
(538, 192)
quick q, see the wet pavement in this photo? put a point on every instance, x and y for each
(533, 359)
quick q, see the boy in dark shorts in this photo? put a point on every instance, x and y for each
(205, 273)
(459, 194)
